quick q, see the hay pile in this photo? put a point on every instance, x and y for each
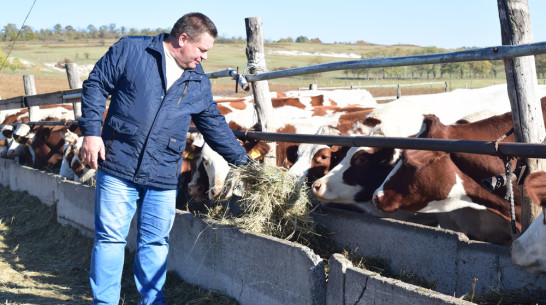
(272, 202)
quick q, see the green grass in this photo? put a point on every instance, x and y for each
(224, 56)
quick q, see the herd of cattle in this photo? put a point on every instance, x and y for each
(427, 187)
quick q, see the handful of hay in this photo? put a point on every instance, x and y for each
(272, 201)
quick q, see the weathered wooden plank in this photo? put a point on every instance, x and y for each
(256, 62)
(522, 81)
(44, 99)
(74, 82)
(12, 103)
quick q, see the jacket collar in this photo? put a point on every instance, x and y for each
(157, 45)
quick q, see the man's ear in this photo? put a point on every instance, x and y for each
(182, 39)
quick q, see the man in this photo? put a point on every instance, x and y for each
(157, 86)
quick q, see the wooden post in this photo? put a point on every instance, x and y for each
(255, 55)
(521, 79)
(30, 89)
(74, 82)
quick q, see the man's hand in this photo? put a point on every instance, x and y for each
(92, 148)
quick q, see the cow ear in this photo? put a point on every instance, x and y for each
(335, 148)
(198, 141)
(430, 124)
(421, 158)
(535, 188)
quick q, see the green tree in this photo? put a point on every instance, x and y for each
(481, 68)
(9, 33)
(57, 30)
(27, 33)
(302, 39)
(92, 31)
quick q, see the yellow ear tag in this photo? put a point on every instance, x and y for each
(254, 154)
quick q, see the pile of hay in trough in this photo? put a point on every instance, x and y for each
(272, 202)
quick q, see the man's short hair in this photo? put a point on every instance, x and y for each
(194, 24)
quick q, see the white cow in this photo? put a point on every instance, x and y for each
(529, 250)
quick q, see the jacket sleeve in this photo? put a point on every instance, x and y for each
(96, 88)
(212, 124)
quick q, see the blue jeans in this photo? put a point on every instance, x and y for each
(116, 202)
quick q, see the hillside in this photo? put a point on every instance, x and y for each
(45, 59)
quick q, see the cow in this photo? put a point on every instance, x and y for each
(529, 250)
(43, 113)
(316, 160)
(41, 147)
(5, 140)
(73, 167)
(216, 169)
(435, 181)
(363, 169)
(300, 123)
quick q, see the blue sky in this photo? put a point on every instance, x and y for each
(445, 24)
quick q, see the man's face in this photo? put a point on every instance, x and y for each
(190, 54)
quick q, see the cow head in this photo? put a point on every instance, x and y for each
(416, 170)
(356, 177)
(22, 136)
(199, 184)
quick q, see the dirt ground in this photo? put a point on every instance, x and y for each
(44, 263)
(11, 85)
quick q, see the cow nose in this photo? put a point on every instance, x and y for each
(376, 199)
(316, 187)
(195, 189)
(215, 192)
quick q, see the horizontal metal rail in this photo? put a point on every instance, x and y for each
(43, 123)
(521, 150)
(490, 53)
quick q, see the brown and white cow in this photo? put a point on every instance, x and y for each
(43, 113)
(439, 182)
(292, 122)
(316, 160)
(40, 147)
(529, 250)
(363, 169)
(73, 166)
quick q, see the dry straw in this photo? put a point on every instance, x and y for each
(272, 202)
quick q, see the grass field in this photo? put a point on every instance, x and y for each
(40, 58)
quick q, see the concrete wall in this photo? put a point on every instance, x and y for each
(447, 258)
(258, 269)
(364, 287)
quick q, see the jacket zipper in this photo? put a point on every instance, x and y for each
(183, 92)
(110, 142)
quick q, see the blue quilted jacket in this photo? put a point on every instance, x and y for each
(145, 128)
